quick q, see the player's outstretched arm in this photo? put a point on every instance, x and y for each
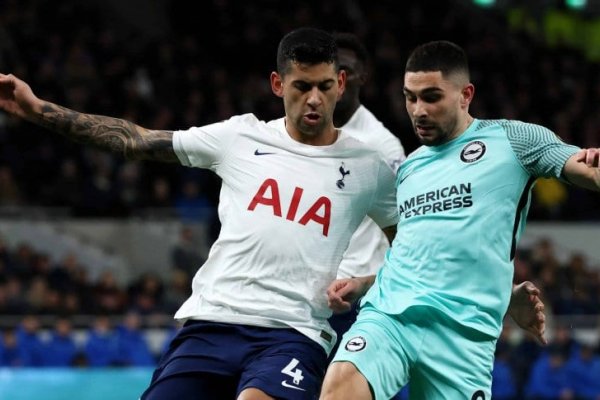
(527, 310)
(113, 134)
(583, 169)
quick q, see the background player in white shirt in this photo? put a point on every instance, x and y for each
(367, 248)
(293, 192)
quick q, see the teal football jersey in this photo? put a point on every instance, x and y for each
(462, 208)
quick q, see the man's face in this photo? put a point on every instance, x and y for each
(355, 77)
(309, 94)
(436, 105)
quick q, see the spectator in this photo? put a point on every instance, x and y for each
(193, 205)
(61, 349)
(503, 381)
(549, 379)
(133, 346)
(584, 373)
(30, 347)
(186, 255)
(109, 297)
(10, 194)
(102, 346)
(11, 354)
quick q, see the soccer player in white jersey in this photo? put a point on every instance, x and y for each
(436, 307)
(293, 192)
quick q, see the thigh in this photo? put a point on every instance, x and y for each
(383, 350)
(204, 347)
(291, 367)
(192, 386)
(455, 363)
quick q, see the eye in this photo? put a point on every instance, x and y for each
(431, 98)
(325, 86)
(302, 86)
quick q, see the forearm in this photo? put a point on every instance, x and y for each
(583, 169)
(112, 134)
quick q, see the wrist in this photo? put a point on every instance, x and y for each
(365, 283)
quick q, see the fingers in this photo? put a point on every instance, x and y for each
(338, 305)
(540, 335)
(591, 157)
(539, 325)
(335, 286)
(531, 289)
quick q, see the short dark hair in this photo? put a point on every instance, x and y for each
(307, 46)
(440, 55)
(349, 41)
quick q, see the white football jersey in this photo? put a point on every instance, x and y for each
(287, 213)
(369, 244)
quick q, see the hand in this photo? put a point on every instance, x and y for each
(591, 157)
(527, 310)
(342, 293)
(17, 98)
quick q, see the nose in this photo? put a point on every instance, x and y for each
(419, 109)
(314, 97)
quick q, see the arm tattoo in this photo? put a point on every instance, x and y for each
(113, 134)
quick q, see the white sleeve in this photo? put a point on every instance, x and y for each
(384, 211)
(392, 151)
(206, 146)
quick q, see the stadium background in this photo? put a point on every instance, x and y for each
(91, 237)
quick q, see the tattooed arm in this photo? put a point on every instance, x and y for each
(113, 134)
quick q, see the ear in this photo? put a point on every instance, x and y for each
(277, 84)
(467, 94)
(365, 75)
(341, 83)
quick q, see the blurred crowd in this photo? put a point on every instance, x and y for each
(59, 317)
(205, 66)
(197, 68)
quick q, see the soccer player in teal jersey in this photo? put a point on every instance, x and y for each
(434, 312)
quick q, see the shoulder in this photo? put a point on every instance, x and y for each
(364, 124)
(248, 119)
(349, 142)
(416, 153)
(514, 127)
(365, 127)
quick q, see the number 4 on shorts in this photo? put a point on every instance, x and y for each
(291, 370)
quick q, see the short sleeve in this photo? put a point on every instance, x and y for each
(539, 150)
(384, 211)
(206, 146)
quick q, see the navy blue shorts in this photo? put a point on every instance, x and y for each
(208, 360)
(340, 324)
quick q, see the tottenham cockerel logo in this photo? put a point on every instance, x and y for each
(340, 182)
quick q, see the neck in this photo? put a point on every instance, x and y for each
(462, 126)
(324, 138)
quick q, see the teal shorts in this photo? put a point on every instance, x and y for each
(438, 357)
